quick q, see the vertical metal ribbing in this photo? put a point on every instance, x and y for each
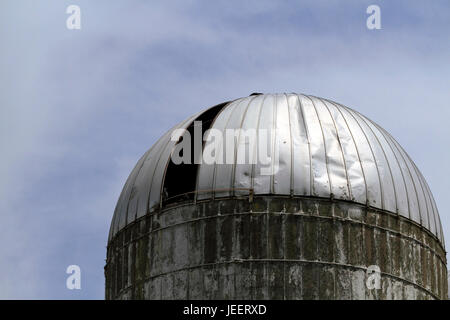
(338, 108)
(272, 142)
(142, 197)
(401, 152)
(385, 157)
(113, 220)
(409, 164)
(236, 146)
(345, 126)
(217, 153)
(211, 126)
(112, 229)
(118, 212)
(435, 214)
(324, 145)
(409, 172)
(420, 178)
(400, 168)
(183, 125)
(311, 178)
(131, 181)
(369, 144)
(255, 154)
(373, 154)
(291, 173)
(155, 149)
(425, 196)
(342, 150)
(432, 214)
(206, 171)
(440, 229)
(436, 217)
(137, 175)
(156, 189)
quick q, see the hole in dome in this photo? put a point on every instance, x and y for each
(180, 179)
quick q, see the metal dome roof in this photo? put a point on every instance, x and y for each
(325, 150)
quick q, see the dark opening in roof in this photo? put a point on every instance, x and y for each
(180, 179)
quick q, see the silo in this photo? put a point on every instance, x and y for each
(334, 209)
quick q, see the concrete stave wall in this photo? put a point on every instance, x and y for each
(273, 248)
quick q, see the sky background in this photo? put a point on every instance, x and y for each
(79, 107)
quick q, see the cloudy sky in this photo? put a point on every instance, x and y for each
(79, 107)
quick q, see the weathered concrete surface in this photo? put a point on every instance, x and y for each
(274, 248)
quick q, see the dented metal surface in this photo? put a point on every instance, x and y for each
(324, 150)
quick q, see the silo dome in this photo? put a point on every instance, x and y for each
(337, 196)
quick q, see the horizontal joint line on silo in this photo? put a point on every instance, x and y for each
(395, 232)
(377, 210)
(349, 266)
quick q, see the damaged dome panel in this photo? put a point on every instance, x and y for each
(317, 148)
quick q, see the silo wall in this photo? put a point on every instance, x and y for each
(274, 248)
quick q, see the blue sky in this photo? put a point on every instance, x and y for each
(79, 107)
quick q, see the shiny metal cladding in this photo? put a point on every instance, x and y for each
(317, 148)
